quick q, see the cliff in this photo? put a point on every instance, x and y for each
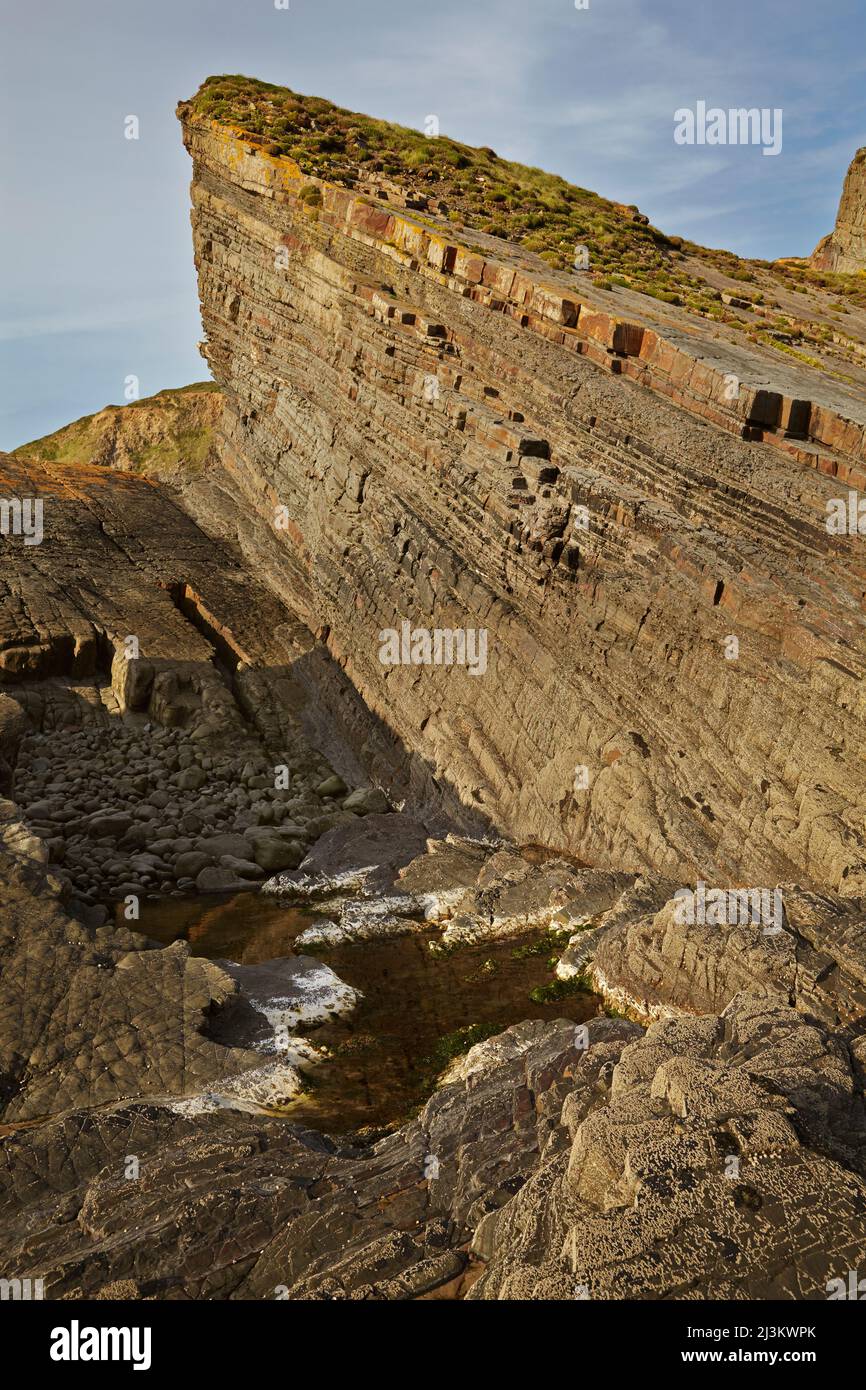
(158, 436)
(844, 250)
(425, 416)
(631, 499)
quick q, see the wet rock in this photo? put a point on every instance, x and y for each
(332, 786)
(114, 823)
(368, 852)
(91, 1013)
(219, 880)
(289, 992)
(318, 1216)
(366, 801)
(273, 853)
(243, 868)
(217, 845)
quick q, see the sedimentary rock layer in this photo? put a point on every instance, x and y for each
(152, 697)
(631, 505)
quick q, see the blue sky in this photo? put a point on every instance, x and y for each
(94, 228)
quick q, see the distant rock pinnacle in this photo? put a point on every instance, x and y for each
(844, 249)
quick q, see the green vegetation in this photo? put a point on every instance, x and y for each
(533, 210)
(151, 435)
(533, 948)
(538, 211)
(560, 989)
(454, 1044)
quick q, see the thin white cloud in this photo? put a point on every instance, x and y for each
(101, 319)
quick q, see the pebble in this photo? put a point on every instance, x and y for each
(150, 810)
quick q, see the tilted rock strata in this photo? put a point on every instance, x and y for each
(91, 1015)
(119, 559)
(290, 1213)
(433, 417)
(782, 303)
(653, 962)
(607, 645)
(151, 694)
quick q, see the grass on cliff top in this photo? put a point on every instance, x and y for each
(540, 212)
(176, 434)
(475, 188)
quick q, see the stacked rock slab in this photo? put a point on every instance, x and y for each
(152, 697)
(124, 598)
(633, 508)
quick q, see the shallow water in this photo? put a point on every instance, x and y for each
(384, 1059)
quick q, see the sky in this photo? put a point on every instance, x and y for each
(98, 281)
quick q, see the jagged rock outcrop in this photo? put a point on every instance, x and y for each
(716, 1157)
(728, 1156)
(632, 503)
(648, 958)
(844, 249)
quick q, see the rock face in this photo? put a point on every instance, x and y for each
(844, 250)
(719, 1153)
(90, 1015)
(645, 956)
(716, 1157)
(292, 1214)
(438, 429)
(152, 694)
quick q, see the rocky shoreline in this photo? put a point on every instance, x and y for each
(410, 428)
(611, 1138)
